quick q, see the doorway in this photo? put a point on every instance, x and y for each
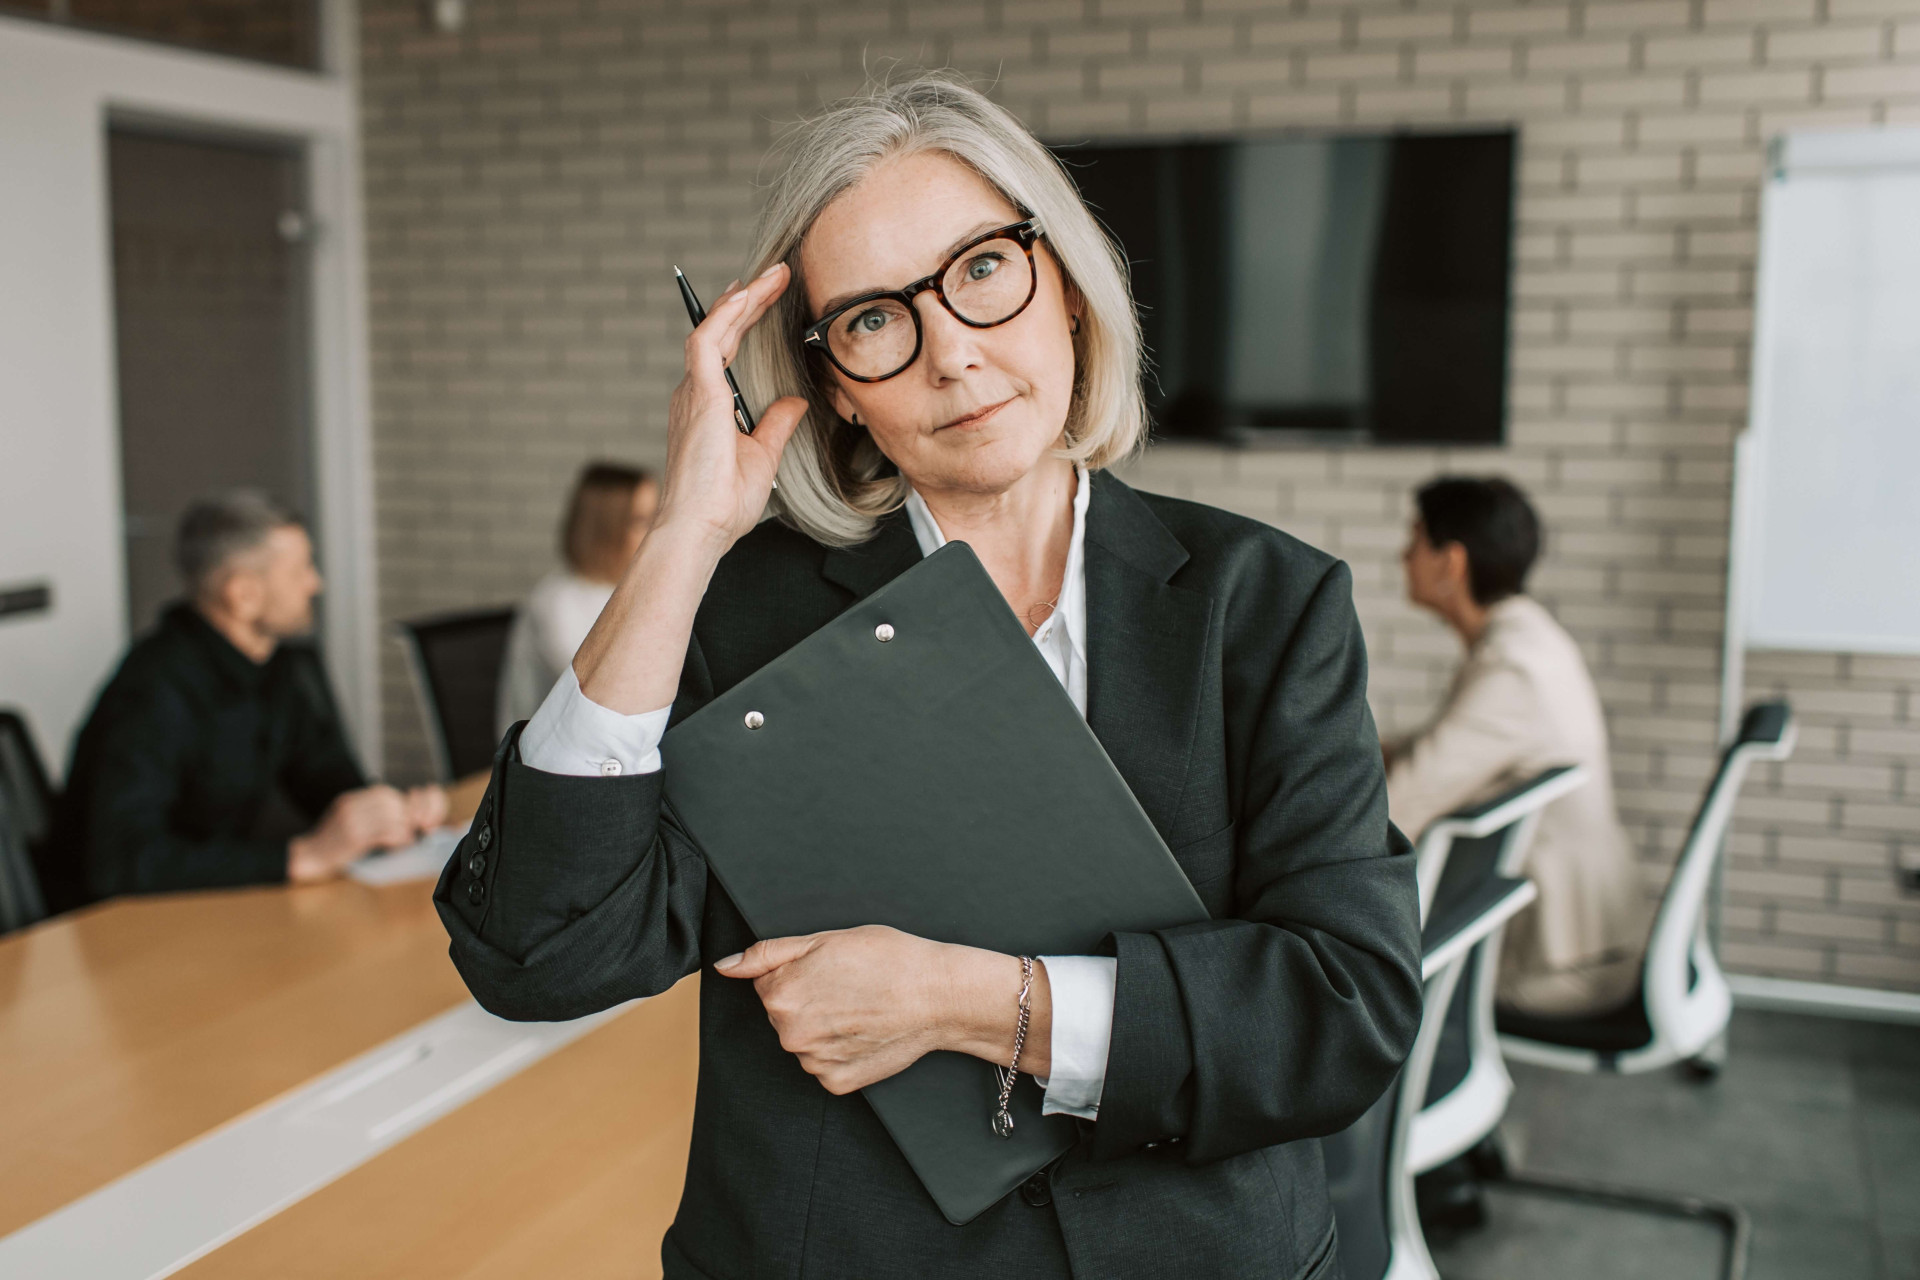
(210, 280)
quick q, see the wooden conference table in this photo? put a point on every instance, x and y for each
(133, 1027)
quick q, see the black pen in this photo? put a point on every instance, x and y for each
(698, 313)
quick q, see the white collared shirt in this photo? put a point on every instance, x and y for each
(571, 734)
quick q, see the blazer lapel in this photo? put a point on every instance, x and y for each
(1146, 649)
(865, 568)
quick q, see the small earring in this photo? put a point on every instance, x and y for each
(854, 418)
(1073, 325)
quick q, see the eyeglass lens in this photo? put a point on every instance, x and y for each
(986, 285)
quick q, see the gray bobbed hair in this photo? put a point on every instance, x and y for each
(834, 482)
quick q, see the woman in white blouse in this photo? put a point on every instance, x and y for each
(609, 514)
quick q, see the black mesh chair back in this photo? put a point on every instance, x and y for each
(456, 667)
(1369, 1179)
(26, 824)
(1357, 1183)
(25, 778)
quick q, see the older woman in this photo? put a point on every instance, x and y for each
(955, 355)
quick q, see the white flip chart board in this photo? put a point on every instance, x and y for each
(1826, 537)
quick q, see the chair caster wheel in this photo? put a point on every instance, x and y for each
(1449, 1201)
(1487, 1160)
(1701, 1070)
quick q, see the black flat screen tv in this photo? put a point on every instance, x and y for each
(1345, 287)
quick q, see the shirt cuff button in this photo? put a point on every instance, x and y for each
(609, 768)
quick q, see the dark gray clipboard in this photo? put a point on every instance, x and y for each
(941, 782)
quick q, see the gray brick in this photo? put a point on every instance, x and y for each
(1887, 80)
(1464, 60)
(1364, 66)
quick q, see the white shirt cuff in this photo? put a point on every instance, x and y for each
(1082, 989)
(574, 735)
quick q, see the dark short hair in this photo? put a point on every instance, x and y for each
(215, 530)
(1493, 520)
(598, 512)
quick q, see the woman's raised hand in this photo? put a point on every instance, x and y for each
(716, 486)
(717, 478)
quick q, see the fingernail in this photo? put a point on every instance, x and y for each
(727, 962)
(770, 270)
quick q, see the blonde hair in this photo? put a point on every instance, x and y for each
(834, 482)
(594, 532)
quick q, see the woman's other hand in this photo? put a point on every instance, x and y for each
(718, 479)
(856, 1006)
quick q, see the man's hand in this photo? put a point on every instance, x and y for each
(376, 817)
(856, 1006)
(427, 807)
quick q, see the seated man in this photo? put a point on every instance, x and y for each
(1520, 703)
(215, 756)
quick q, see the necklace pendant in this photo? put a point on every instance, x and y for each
(1002, 1124)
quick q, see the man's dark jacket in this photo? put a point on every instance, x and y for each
(1227, 681)
(196, 765)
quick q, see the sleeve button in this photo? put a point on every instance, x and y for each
(609, 768)
(476, 892)
(477, 864)
(484, 837)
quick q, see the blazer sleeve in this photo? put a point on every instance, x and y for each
(569, 895)
(1289, 1019)
(321, 765)
(133, 844)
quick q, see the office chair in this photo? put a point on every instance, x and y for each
(1683, 1004)
(1511, 817)
(1469, 1088)
(1368, 1176)
(26, 823)
(456, 659)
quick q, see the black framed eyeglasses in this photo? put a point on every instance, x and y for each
(987, 282)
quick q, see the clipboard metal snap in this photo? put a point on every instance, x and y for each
(755, 719)
(883, 632)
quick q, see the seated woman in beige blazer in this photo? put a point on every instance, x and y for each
(1521, 702)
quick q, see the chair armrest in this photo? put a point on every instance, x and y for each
(1765, 722)
(1510, 806)
(1470, 919)
(1767, 732)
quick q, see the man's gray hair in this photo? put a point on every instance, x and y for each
(215, 530)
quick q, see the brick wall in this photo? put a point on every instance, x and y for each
(531, 181)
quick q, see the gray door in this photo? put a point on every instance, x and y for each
(210, 289)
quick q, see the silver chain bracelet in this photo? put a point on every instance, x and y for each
(1002, 1117)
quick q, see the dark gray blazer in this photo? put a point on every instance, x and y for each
(1227, 680)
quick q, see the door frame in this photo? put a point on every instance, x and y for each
(60, 88)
